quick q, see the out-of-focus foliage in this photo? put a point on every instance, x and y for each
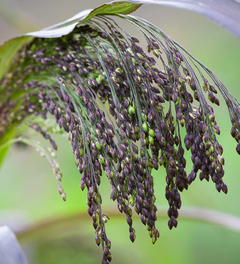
(224, 12)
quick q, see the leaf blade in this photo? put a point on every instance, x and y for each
(10, 250)
(8, 51)
(223, 12)
(118, 7)
(65, 27)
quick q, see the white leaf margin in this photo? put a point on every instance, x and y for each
(223, 12)
(61, 29)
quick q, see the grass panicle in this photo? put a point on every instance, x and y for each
(125, 107)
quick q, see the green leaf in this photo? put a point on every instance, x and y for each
(8, 51)
(113, 8)
(3, 153)
(67, 26)
(5, 143)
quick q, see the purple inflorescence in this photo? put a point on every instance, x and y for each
(123, 115)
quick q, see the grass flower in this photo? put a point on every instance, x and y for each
(128, 108)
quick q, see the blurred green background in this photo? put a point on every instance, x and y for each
(62, 232)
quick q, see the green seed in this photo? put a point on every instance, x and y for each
(153, 239)
(98, 146)
(151, 133)
(81, 151)
(135, 157)
(151, 140)
(101, 159)
(99, 79)
(156, 53)
(144, 117)
(119, 70)
(146, 141)
(145, 127)
(131, 110)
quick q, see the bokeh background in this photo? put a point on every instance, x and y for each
(51, 231)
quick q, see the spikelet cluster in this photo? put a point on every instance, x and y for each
(124, 109)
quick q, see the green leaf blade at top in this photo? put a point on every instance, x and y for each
(113, 8)
(67, 26)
